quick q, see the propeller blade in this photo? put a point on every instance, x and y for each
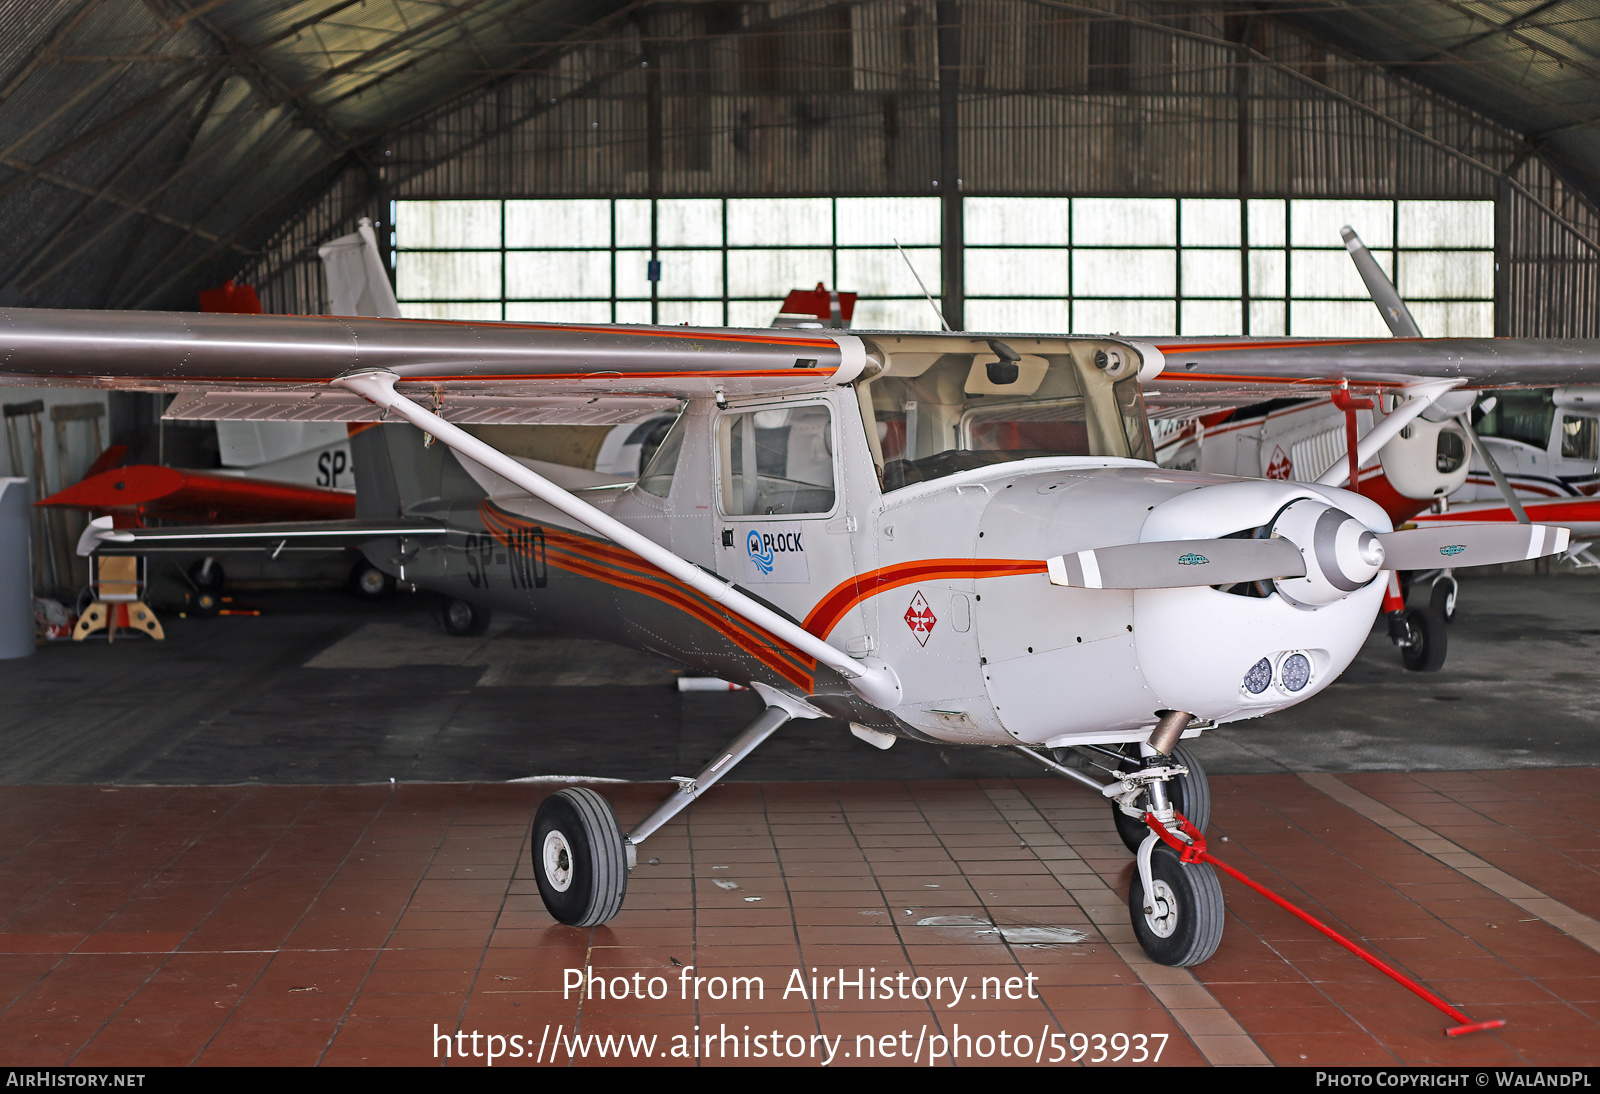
(1178, 564)
(1436, 545)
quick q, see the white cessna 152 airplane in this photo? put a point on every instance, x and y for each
(956, 538)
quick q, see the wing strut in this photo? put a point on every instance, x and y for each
(874, 680)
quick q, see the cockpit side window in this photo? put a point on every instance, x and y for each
(777, 461)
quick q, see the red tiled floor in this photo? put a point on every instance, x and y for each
(293, 925)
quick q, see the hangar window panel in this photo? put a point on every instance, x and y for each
(689, 222)
(867, 222)
(1124, 273)
(559, 311)
(1454, 319)
(448, 275)
(1316, 222)
(1017, 271)
(1150, 222)
(696, 313)
(1268, 219)
(1269, 273)
(1209, 222)
(774, 273)
(633, 277)
(1126, 316)
(450, 309)
(1017, 221)
(905, 314)
(559, 274)
(633, 222)
(453, 224)
(1446, 224)
(1337, 319)
(558, 224)
(885, 273)
(691, 274)
(1201, 317)
(633, 311)
(759, 313)
(1031, 316)
(1211, 274)
(1268, 317)
(1446, 275)
(1331, 275)
(769, 222)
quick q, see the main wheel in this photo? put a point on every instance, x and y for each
(1429, 640)
(579, 858)
(208, 577)
(370, 583)
(1190, 795)
(465, 619)
(1183, 925)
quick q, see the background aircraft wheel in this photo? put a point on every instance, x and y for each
(1184, 924)
(208, 578)
(1190, 795)
(1443, 599)
(1428, 640)
(370, 583)
(465, 619)
(579, 858)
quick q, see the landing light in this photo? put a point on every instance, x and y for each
(1259, 676)
(1295, 672)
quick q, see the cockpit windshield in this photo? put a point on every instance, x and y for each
(946, 405)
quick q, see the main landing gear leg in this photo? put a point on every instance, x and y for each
(581, 859)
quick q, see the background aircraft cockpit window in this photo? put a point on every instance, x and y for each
(1579, 440)
(938, 414)
(1524, 416)
(657, 475)
(790, 451)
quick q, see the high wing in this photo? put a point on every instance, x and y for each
(278, 367)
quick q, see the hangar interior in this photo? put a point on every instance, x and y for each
(298, 833)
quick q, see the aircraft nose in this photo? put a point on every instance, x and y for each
(1341, 553)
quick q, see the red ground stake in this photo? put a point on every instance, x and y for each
(1196, 852)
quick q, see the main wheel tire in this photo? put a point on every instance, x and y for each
(465, 619)
(1443, 599)
(1190, 795)
(1429, 640)
(1184, 925)
(579, 859)
(368, 582)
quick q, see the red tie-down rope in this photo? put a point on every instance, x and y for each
(1196, 852)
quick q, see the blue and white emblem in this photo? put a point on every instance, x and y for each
(1453, 549)
(1192, 559)
(759, 549)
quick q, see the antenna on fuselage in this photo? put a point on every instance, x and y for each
(926, 295)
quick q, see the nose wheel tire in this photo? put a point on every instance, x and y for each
(579, 859)
(1183, 925)
(1190, 795)
(464, 619)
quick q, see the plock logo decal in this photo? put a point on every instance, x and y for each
(776, 553)
(920, 618)
(1453, 549)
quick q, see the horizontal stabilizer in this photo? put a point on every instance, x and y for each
(1178, 564)
(1436, 545)
(304, 535)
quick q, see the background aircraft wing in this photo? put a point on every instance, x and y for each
(1205, 374)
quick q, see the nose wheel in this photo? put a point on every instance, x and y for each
(1179, 920)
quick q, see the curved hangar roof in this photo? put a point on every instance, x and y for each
(147, 150)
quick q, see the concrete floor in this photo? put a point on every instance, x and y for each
(323, 689)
